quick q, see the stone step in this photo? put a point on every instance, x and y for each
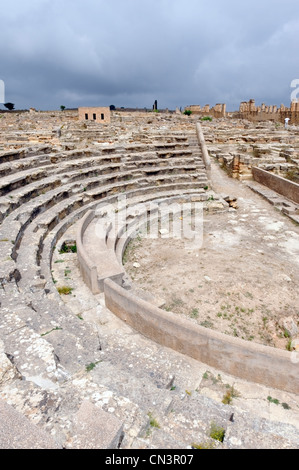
(31, 231)
(11, 155)
(47, 183)
(137, 369)
(18, 432)
(11, 231)
(45, 341)
(10, 168)
(17, 180)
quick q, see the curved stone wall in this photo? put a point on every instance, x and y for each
(249, 361)
(240, 358)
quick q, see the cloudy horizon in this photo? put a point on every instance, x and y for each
(131, 53)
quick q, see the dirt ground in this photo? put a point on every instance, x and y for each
(242, 280)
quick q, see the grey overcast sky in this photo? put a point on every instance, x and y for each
(131, 52)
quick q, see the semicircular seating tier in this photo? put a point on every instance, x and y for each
(48, 186)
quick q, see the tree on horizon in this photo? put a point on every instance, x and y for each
(9, 106)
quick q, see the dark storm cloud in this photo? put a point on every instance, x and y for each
(131, 52)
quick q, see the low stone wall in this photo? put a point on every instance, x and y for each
(87, 268)
(249, 361)
(281, 185)
(204, 150)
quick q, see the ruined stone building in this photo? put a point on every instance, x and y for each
(249, 110)
(98, 114)
(218, 111)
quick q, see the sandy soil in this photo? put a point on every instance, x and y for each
(241, 281)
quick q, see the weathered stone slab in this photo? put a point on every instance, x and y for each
(17, 432)
(95, 429)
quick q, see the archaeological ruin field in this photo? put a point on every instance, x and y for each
(117, 332)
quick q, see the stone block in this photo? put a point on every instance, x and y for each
(95, 429)
(17, 432)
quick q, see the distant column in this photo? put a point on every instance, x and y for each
(252, 106)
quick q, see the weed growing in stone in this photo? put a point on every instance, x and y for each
(64, 290)
(50, 331)
(289, 345)
(153, 422)
(277, 402)
(217, 432)
(273, 400)
(194, 313)
(285, 406)
(229, 395)
(91, 366)
(209, 376)
(68, 248)
(67, 272)
(206, 324)
(203, 445)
